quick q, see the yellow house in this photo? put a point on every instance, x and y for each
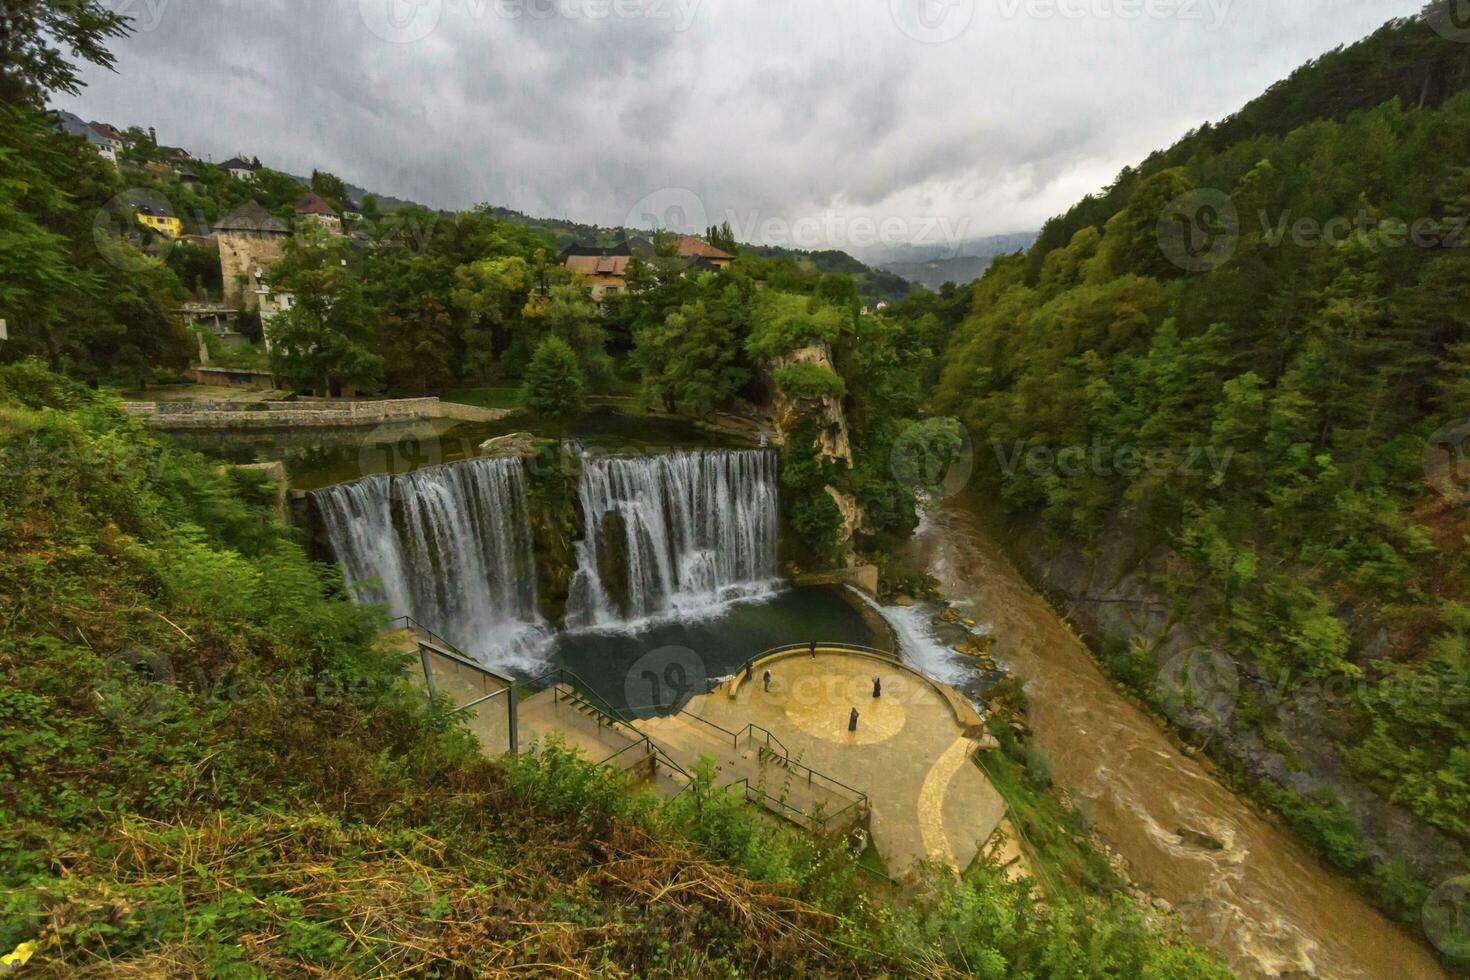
(159, 221)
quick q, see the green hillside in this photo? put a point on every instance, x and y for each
(1237, 360)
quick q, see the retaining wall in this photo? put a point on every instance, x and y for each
(291, 414)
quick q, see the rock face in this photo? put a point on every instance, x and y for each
(852, 512)
(515, 444)
(786, 411)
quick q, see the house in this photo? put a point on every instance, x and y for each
(72, 125)
(157, 216)
(112, 134)
(693, 247)
(250, 242)
(350, 210)
(313, 210)
(273, 304)
(174, 155)
(188, 178)
(241, 169)
(604, 269)
(604, 274)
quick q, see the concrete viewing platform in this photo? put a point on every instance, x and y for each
(911, 752)
(906, 769)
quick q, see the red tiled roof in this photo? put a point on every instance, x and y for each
(691, 246)
(312, 204)
(598, 265)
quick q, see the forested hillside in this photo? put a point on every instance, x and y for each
(1245, 369)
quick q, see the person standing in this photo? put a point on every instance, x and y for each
(766, 682)
(814, 649)
(877, 687)
(852, 721)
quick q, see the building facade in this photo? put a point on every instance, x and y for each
(250, 242)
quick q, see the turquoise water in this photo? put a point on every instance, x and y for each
(652, 669)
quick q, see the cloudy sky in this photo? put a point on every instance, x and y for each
(840, 123)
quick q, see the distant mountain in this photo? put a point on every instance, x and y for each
(959, 263)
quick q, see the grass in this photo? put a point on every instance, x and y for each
(484, 397)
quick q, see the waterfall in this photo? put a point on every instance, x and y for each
(448, 545)
(673, 534)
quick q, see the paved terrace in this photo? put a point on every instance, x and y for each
(908, 765)
(911, 753)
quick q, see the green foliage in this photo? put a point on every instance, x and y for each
(1262, 422)
(786, 321)
(326, 339)
(42, 40)
(554, 388)
(807, 380)
(415, 341)
(692, 358)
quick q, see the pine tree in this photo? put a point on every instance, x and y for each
(554, 388)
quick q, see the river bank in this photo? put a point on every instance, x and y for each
(1261, 900)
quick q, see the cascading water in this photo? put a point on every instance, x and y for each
(673, 534)
(448, 545)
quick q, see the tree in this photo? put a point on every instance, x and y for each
(325, 340)
(567, 312)
(329, 186)
(415, 342)
(554, 388)
(492, 295)
(34, 34)
(692, 358)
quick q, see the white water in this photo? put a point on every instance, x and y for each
(448, 545)
(920, 645)
(691, 533)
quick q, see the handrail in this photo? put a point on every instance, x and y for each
(409, 621)
(584, 692)
(752, 728)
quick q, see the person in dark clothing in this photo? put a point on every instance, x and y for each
(877, 687)
(814, 649)
(852, 721)
(749, 670)
(766, 681)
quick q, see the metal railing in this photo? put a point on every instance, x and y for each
(408, 622)
(571, 687)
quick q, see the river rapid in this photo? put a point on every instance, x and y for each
(1263, 902)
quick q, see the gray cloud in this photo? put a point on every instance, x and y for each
(766, 109)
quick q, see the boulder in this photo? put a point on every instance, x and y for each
(1199, 838)
(514, 444)
(904, 600)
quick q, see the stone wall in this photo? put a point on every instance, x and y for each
(231, 377)
(291, 414)
(240, 253)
